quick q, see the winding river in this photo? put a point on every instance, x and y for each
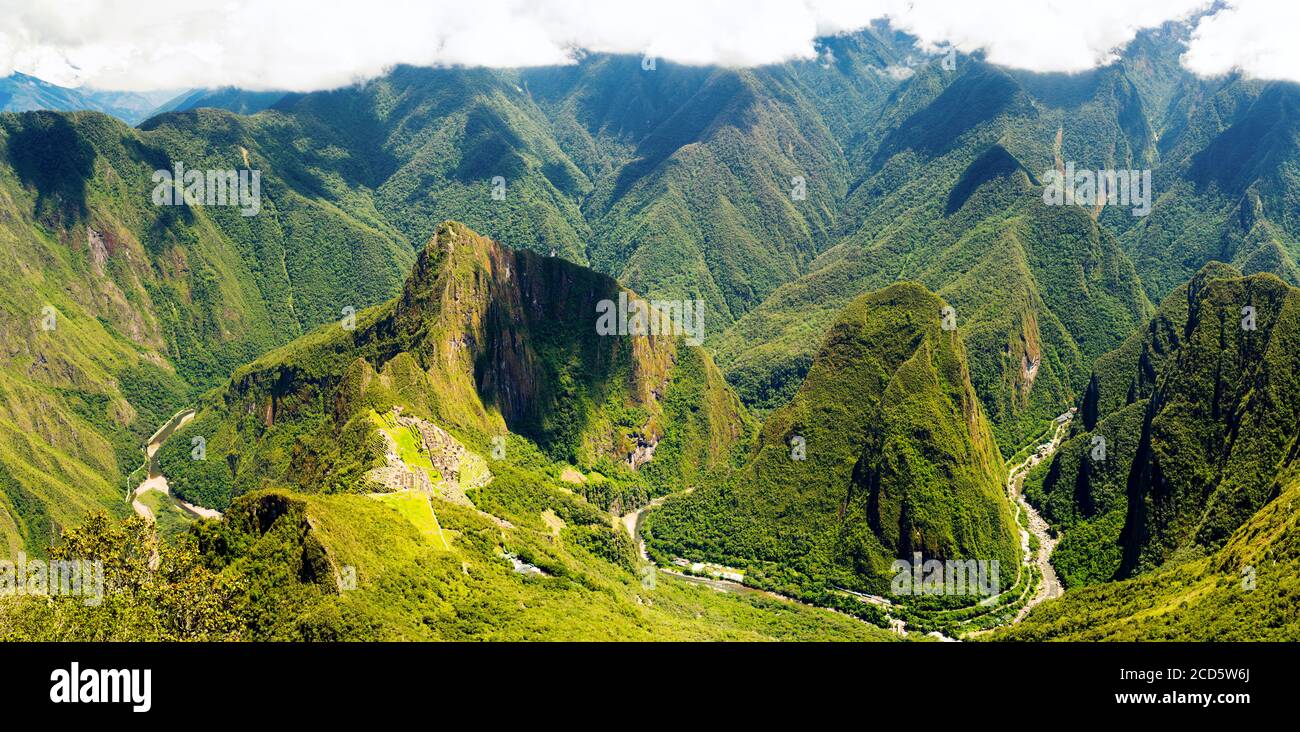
(1048, 588)
(154, 479)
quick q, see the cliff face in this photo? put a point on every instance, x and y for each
(483, 341)
(520, 328)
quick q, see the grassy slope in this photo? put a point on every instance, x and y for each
(409, 589)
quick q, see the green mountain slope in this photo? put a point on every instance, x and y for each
(898, 458)
(953, 200)
(1226, 184)
(693, 168)
(426, 145)
(116, 310)
(1195, 416)
(483, 341)
(1245, 591)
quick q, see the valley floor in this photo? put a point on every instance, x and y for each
(156, 481)
(1037, 582)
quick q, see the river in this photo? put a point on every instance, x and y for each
(1049, 587)
(155, 480)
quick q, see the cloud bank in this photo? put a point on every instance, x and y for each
(304, 45)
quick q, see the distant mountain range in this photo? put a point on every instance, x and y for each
(22, 93)
(227, 98)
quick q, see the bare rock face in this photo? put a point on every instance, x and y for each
(643, 453)
(485, 341)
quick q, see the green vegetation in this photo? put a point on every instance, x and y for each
(117, 312)
(426, 567)
(1195, 415)
(1227, 184)
(1245, 591)
(883, 452)
(279, 566)
(410, 446)
(482, 341)
(172, 520)
(921, 191)
(181, 599)
(951, 199)
(417, 508)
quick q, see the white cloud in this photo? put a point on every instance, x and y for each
(1255, 37)
(1041, 35)
(310, 44)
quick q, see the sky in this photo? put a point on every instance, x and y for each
(305, 45)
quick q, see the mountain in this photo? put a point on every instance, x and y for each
(118, 311)
(676, 180)
(1194, 416)
(231, 99)
(22, 93)
(1229, 165)
(432, 144)
(508, 542)
(414, 430)
(884, 451)
(682, 181)
(483, 342)
(952, 197)
(716, 183)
